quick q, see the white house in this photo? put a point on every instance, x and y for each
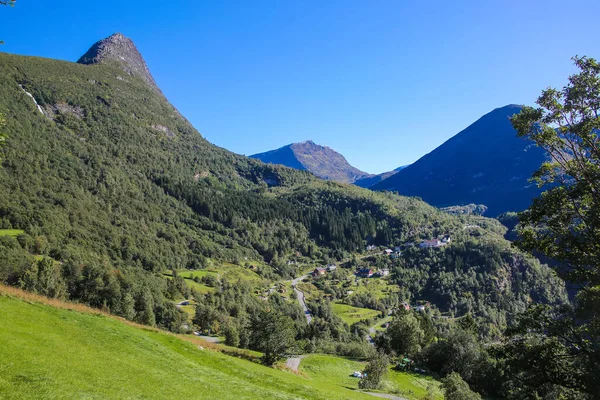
(331, 267)
(430, 243)
(388, 251)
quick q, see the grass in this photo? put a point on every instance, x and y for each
(350, 314)
(52, 349)
(331, 371)
(11, 232)
(380, 288)
(412, 385)
(231, 272)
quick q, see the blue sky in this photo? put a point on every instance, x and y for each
(382, 82)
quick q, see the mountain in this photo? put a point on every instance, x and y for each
(484, 164)
(369, 181)
(122, 51)
(105, 189)
(321, 161)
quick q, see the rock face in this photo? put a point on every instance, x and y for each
(484, 164)
(120, 49)
(322, 161)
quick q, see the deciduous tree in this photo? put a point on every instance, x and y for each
(374, 372)
(564, 225)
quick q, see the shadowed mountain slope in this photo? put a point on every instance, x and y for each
(484, 164)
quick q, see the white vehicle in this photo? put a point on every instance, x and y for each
(357, 374)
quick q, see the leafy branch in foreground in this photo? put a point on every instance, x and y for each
(558, 350)
(7, 3)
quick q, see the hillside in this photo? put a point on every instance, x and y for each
(50, 352)
(321, 161)
(484, 164)
(108, 187)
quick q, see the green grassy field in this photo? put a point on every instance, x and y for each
(54, 353)
(380, 288)
(199, 287)
(231, 272)
(351, 314)
(331, 371)
(10, 232)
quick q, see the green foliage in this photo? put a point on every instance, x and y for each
(562, 224)
(272, 334)
(44, 277)
(2, 134)
(404, 336)
(455, 388)
(374, 372)
(480, 275)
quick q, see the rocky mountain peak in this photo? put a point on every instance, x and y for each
(119, 48)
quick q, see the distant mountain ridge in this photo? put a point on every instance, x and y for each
(321, 161)
(486, 163)
(369, 181)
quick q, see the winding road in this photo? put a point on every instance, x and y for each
(300, 296)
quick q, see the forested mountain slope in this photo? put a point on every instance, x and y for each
(113, 186)
(486, 164)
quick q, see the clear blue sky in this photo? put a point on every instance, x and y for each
(382, 82)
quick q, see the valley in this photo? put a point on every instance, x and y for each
(137, 259)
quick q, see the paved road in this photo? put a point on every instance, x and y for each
(294, 362)
(211, 339)
(369, 336)
(300, 296)
(386, 396)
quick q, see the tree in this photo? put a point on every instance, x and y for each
(7, 3)
(374, 372)
(455, 388)
(458, 352)
(44, 278)
(271, 333)
(2, 134)
(564, 225)
(405, 335)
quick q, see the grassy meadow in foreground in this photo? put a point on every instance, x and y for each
(331, 371)
(57, 353)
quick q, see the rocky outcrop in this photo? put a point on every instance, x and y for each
(120, 49)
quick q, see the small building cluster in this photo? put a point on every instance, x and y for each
(323, 271)
(370, 273)
(433, 243)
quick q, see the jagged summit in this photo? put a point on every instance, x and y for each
(322, 161)
(121, 49)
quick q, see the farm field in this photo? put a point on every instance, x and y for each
(350, 314)
(11, 232)
(331, 371)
